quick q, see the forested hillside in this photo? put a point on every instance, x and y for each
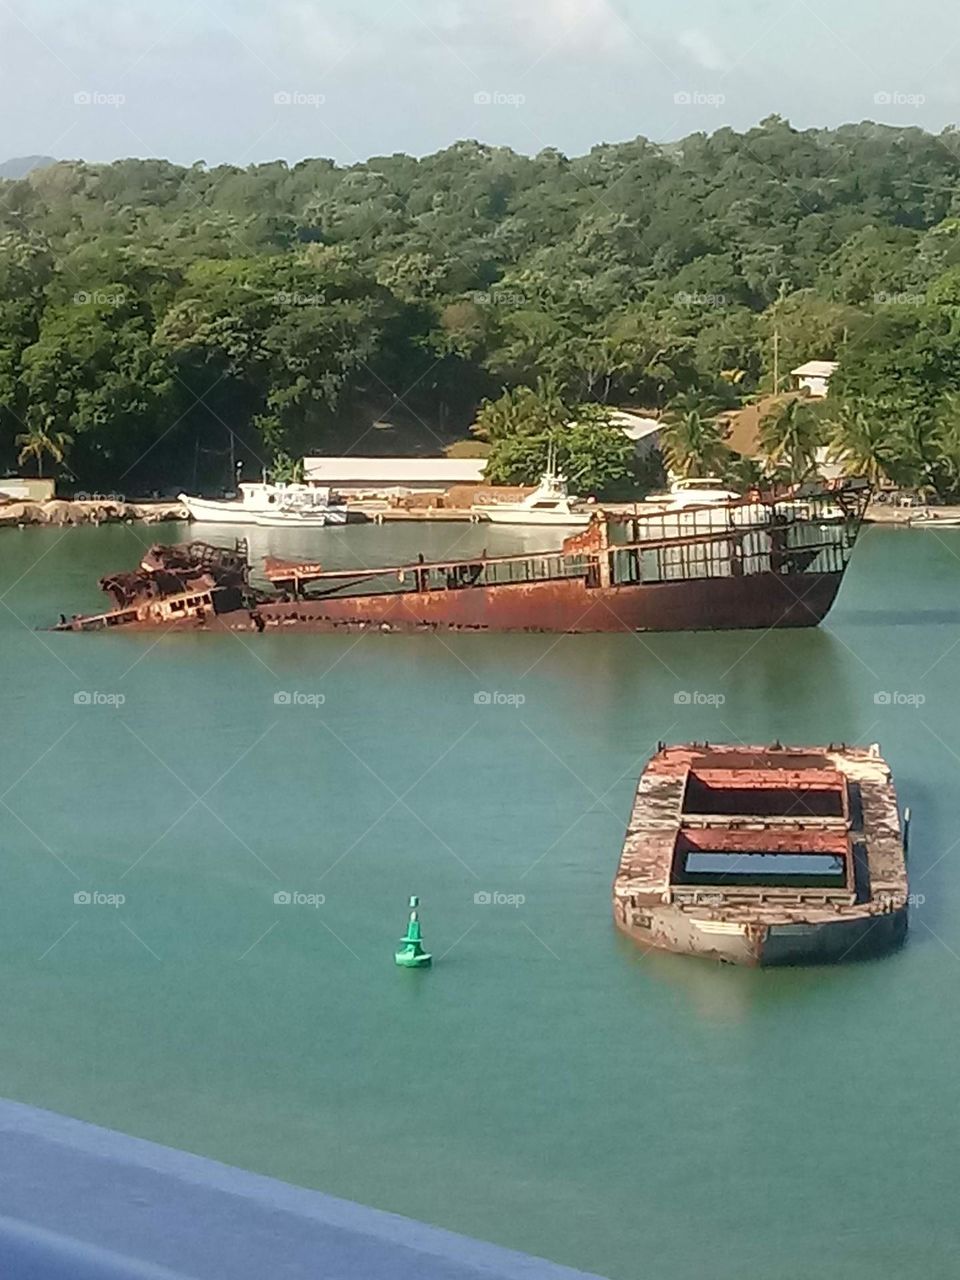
(147, 311)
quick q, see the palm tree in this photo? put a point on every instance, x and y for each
(692, 444)
(791, 432)
(860, 443)
(37, 441)
(944, 471)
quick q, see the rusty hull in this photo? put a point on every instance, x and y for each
(837, 801)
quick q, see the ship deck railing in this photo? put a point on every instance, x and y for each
(717, 552)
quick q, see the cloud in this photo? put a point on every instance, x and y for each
(529, 28)
(704, 50)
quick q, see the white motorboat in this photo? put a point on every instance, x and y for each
(700, 492)
(948, 519)
(548, 504)
(283, 505)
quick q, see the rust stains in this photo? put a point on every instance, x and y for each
(764, 855)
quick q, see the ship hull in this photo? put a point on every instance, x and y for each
(768, 945)
(761, 601)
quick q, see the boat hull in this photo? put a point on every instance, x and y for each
(520, 518)
(210, 511)
(293, 521)
(759, 601)
(768, 945)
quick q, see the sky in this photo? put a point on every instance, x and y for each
(234, 81)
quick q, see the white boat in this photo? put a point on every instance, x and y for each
(548, 504)
(700, 492)
(299, 505)
(935, 520)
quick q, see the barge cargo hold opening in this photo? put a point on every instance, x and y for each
(764, 856)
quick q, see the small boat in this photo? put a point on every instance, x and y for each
(699, 492)
(550, 503)
(950, 519)
(283, 505)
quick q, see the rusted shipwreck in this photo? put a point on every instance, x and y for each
(761, 563)
(765, 855)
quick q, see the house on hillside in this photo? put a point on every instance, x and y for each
(814, 377)
(389, 477)
(643, 431)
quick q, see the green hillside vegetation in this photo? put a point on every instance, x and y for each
(149, 312)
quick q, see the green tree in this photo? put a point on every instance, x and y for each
(791, 432)
(693, 443)
(861, 442)
(42, 440)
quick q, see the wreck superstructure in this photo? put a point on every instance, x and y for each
(764, 855)
(754, 563)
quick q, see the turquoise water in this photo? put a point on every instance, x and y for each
(545, 1085)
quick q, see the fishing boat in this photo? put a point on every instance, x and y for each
(258, 503)
(765, 855)
(549, 504)
(755, 563)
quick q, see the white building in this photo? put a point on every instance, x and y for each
(814, 377)
(384, 477)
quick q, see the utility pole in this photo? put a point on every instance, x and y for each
(781, 294)
(776, 361)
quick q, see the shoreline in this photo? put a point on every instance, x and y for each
(96, 511)
(60, 512)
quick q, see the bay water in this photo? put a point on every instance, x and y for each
(208, 843)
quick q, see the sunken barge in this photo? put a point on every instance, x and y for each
(765, 855)
(753, 563)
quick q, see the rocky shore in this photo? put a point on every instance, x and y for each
(87, 511)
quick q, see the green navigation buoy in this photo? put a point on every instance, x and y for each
(410, 954)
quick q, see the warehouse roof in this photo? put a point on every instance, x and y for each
(340, 470)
